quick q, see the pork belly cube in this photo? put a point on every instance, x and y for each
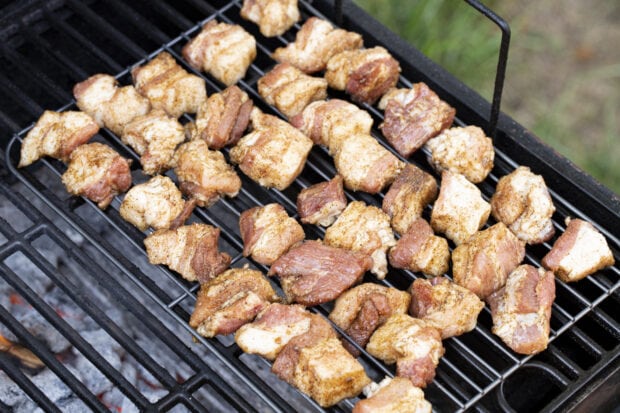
(410, 192)
(483, 263)
(223, 50)
(521, 310)
(365, 74)
(268, 232)
(365, 165)
(413, 116)
(168, 86)
(363, 228)
(322, 203)
(522, 202)
(97, 172)
(412, 344)
(450, 308)
(203, 174)
(466, 151)
(231, 300)
(190, 250)
(155, 203)
(397, 395)
(273, 154)
(222, 118)
(317, 41)
(154, 137)
(580, 251)
(56, 135)
(273, 17)
(313, 273)
(109, 105)
(459, 211)
(419, 249)
(362, 309)
(291, 90)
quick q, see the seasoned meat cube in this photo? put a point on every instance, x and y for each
(223, 118)
(365, 74)
(313, 273)
(413, 116)
(274, 153)
(109, 105)
(168, 86)
(155, 203)
(397, 395)
(273, 17)
(580, 251)
(459, 210)
(97, 172)
(411, 191)
(317, 41)
(154, 137)
(366, 229)
(419, 249)
(522, 309)
(291, 90)
(482, 264)
(204, 174)
(56, 135)
(231, 300)
(322, 203)
(365, 165)
(361, 310)
(412, 344)
(223, 50)
(450, 308)
(190, 250)
(268, 232)
(466, 151)
(522, 202)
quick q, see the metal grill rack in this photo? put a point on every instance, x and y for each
(477, 372)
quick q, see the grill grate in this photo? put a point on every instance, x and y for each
(67, 41)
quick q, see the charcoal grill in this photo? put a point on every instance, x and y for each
(48, 46)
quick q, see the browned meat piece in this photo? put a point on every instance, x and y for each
(412, 344)
(223, 118)
(223, 50)
(366, 229)
(365, 74)
(580, 251)
(482, 264)
(411, 191)
(268, 232)
(97, 172)
(522, 309)
(459, 210)
(56, 135)
(273, 17)
(419, 249)
(361, 310)
(291, 90)
(274, 153)
(450, 308)
(466, 151)
(203, 174)
(413, 116)
(109, 105)
(322, 203)
(522, 202)
(168, 86)
(317, 41)
(190, 250)
(313, 273)
(231, 300)
(397, 395)
(154, 137)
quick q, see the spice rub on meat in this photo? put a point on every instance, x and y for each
(322, 203)
(397, 395)
(273, 17)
